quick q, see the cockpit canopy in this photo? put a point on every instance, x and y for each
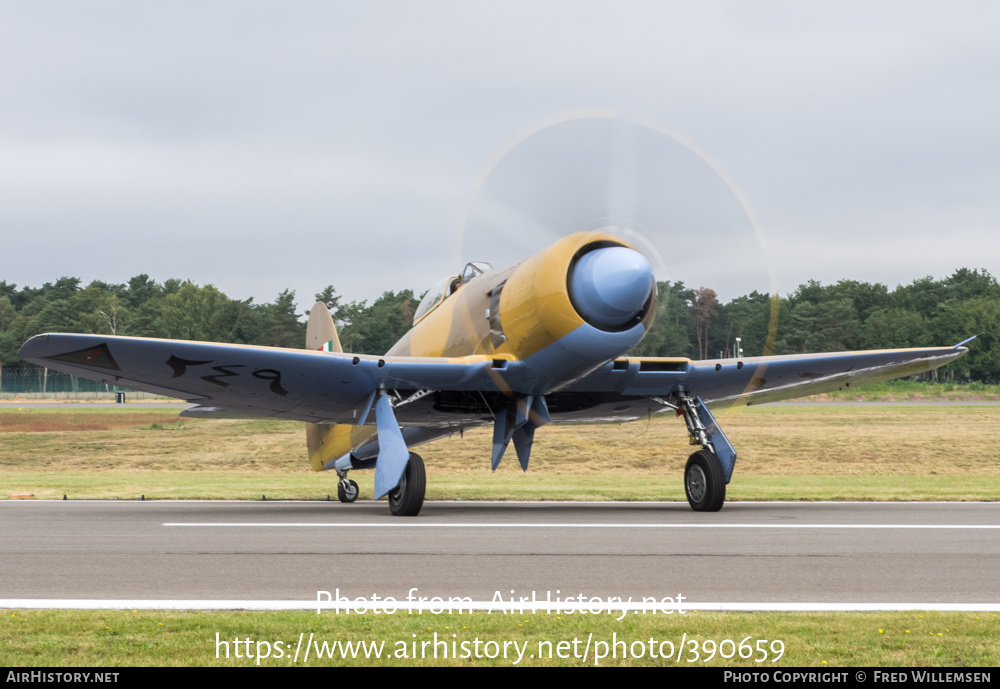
(446, 287)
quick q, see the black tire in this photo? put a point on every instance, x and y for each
(347, 491)
(406, 499)
(704, 483)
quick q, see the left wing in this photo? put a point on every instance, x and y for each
(753, 380)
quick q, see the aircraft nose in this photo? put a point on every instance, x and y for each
(610, 286)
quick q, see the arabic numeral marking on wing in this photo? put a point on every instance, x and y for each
(274, 376)
(179, 365)
(223, 372)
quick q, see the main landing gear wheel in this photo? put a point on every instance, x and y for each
(347, 490)
(406, 499)
(704, 483)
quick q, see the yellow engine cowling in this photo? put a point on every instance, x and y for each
(538, 306)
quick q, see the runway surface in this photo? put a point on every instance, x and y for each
(179, 405)
(110, 406)
(752, 552)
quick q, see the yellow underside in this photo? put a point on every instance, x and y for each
(329, 441)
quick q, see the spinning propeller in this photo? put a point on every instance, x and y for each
(637, 180)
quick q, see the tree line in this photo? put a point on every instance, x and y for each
(689, 322)
(177, 309)
(848, 315)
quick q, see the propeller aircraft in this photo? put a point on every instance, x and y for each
(544, 340)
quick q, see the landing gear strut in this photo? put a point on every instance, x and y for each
(708, 470)
(406, 499)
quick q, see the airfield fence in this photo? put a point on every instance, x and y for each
(29, 384)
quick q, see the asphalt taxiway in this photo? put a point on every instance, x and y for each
(763, 552)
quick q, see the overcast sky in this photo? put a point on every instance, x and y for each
(262, 146)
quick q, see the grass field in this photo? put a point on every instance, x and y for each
(798, 453)
(167, 638)
(906, 389)
(806, 453)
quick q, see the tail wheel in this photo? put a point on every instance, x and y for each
(406, 499)
(704, 483)
(347, 490)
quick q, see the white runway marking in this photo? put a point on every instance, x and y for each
(428, 606)
(569, 525)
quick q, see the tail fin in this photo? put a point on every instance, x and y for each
(321, 334)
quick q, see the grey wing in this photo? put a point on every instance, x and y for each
(631, 388)
(248, 381)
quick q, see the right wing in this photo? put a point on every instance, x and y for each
(227, 380)
(775, 378)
